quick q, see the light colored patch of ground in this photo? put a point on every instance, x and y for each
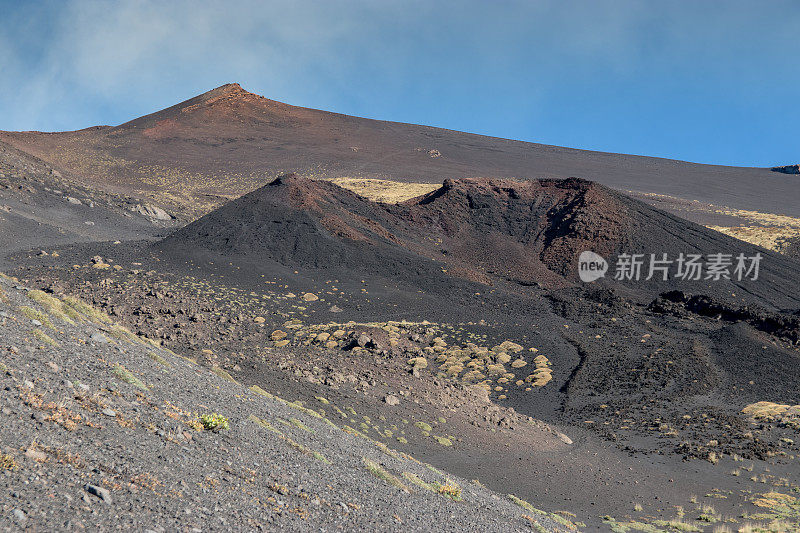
(771, 238)
(764, 219)
(783, 414)
(386, 191)
(768, 229)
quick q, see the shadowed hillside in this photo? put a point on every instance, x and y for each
(511, 233)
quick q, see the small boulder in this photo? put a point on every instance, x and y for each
(100, 492)
(36, 455)
(391, 399)
(99, 337)
(363, 340)
(152, 211)
(787, 169)
(19, 516)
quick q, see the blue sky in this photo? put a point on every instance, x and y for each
(706, 81)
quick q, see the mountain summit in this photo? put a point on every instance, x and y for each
(228, 141)
(225, 108)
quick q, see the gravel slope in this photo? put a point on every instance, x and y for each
(102, 431)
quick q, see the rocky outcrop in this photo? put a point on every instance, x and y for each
(152, 212)
(787, 169)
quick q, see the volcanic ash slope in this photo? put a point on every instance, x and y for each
(103, 429)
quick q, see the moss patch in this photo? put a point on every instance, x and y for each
(125, 375)
(379, 472)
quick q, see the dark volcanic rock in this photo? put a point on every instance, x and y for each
(523, 230)
(482, 230)
(781, 325)
(787, 169)
(522, 233)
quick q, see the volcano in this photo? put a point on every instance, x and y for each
(495, 232)
(484, 230)
(228, 141)
(453, 323)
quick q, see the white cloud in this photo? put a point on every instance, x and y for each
(99, 61)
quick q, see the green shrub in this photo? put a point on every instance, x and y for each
(449, 490)
(214, 422)
(423, 426)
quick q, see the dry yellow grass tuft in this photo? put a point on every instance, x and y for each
(223, 374)
(93, 314)
(765, 409)
(788, 415)
(55, 307)
(418, 362)
(386, 191)
(508, 346)
(45, 338)
(379, 472)
(7, 462)
(34, 314)
(767, 230)
(771, 238)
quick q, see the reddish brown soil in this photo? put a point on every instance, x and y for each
(228, 141)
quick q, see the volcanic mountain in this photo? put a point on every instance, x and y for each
(228, 141)
(511, 233)
(448, 323)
